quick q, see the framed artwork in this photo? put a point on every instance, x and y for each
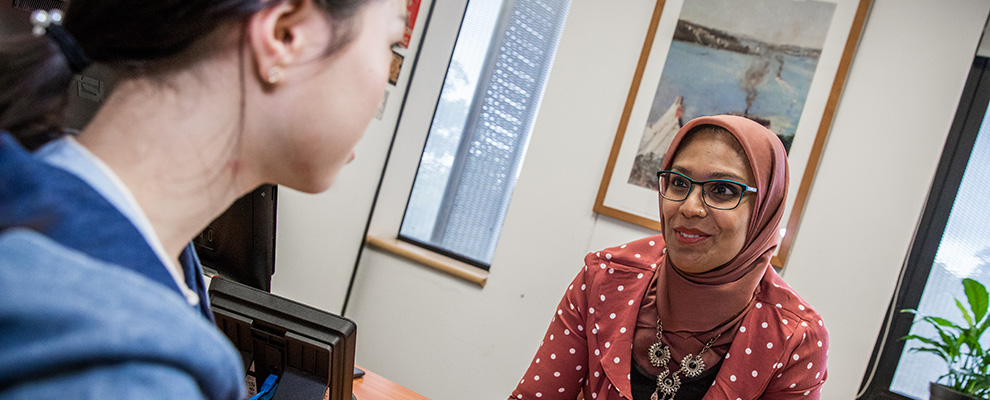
(781, 63)
(412, 9)
(395, 68)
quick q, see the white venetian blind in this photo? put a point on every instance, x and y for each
(482, 125)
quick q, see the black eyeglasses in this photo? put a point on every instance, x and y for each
(721, 194)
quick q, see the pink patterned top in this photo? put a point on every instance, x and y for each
(779, 351)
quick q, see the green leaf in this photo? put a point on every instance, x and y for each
(938, 321)
(938, 352)
(983, 327)
(956, 349)
(965, 312)
(943, 332)
(971, 340)
(978, 298)
(923, 339)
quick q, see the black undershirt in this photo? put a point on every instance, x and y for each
(644, 384)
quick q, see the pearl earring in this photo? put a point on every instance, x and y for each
(274, 74)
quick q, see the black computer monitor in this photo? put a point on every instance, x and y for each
(240, 244)
(311, 350)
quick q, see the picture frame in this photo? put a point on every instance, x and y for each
(395, 68)
(784, 68)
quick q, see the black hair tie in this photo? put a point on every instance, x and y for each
(50, 23)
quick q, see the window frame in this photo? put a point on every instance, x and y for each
(436, 46)
(430, 68)
(474, 113)
(942, 194)
(499, 31)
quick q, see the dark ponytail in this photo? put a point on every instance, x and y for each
(123, 34)
(34, 81)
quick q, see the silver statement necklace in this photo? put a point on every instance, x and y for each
(691, 366)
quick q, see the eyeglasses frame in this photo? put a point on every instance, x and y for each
(746, 189)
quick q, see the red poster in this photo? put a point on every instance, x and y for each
(413, 8)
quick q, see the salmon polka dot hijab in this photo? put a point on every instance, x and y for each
(697, 307)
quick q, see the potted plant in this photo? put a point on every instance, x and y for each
(959, 346)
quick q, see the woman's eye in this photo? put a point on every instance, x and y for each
(724, 189)
(678, 182)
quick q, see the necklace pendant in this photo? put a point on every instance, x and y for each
(660, 396)
(668, 383)
(659, 354)
(692, 366)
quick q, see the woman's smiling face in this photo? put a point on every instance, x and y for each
(700, 238)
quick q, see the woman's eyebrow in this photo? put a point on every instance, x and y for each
(714, 175)
(726, 175)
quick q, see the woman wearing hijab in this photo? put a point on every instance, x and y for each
(696, 312)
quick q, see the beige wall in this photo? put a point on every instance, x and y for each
(452, 340)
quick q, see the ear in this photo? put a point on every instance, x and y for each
(275, 37)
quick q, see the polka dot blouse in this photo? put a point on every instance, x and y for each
(779, 351)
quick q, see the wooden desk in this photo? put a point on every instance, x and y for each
(375, 387)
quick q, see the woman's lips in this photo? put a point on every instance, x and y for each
(688, 235)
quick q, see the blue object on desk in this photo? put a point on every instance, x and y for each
(267, 389)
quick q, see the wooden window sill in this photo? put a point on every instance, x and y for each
(429, 259)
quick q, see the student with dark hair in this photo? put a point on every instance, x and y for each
(102, 293)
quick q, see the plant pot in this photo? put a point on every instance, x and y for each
(942, 392)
